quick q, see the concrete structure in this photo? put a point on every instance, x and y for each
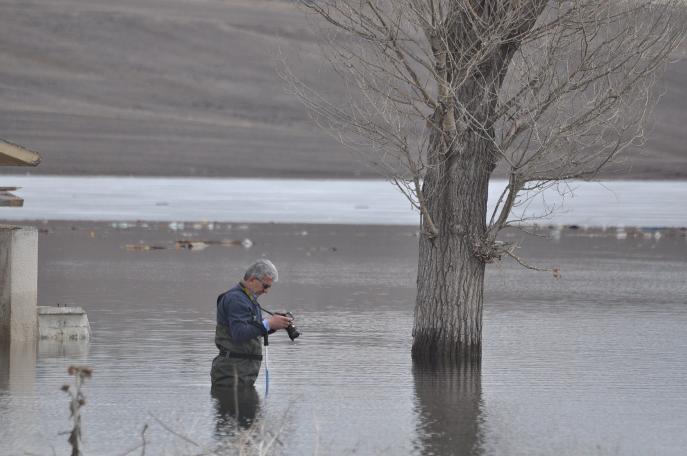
(18, 260)
(18, 283)
(63, 323)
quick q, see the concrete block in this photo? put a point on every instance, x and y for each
(63, 323)
(18, 283)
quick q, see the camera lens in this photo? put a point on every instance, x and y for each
(292, 332)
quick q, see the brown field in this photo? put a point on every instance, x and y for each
(190, 88)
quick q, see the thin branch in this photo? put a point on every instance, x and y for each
(173, 432)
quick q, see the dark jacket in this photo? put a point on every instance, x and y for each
(238, 331)
(240, 314)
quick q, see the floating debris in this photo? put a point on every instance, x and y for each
(313, 249)
(620, 232)
(199, 245)
(191, 245)
(143, 247)
(175, 226)
(203, 225)
(651, 231)
(226, 242)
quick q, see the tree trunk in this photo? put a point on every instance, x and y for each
(451, 266)
(450, 278)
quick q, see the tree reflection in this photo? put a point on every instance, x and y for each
(448, 403)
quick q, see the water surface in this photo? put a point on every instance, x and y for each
(593, 363)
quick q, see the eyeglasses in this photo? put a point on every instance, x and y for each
(265, 286)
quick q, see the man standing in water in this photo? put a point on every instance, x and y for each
(240, 328)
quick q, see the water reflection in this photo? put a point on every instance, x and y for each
(18, 360)
(4, 367)
(17, 366)
(235, 406)
(48, 348)
(448, 408)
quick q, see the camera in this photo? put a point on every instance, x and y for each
(291, 329)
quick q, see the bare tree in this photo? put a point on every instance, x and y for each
(443, 91)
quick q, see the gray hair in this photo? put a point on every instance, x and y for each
(261, 269)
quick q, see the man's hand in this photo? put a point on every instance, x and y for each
(279, 322)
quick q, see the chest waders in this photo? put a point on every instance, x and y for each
(237, 365)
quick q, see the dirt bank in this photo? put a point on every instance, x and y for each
(187, 88)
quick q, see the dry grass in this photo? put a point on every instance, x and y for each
(259, 439)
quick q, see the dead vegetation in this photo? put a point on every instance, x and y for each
(260, 438)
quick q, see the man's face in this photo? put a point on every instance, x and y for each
(259, 286)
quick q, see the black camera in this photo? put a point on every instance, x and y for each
(291, 329)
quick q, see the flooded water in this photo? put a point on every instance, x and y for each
(591, 364)
(369, 202)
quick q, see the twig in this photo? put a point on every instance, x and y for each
(523, 263)
(173, 432)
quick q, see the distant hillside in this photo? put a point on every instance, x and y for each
(189, 88)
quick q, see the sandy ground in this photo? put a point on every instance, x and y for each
(190, 88)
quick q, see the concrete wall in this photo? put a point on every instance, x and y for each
(63, 323)
(18, 283)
